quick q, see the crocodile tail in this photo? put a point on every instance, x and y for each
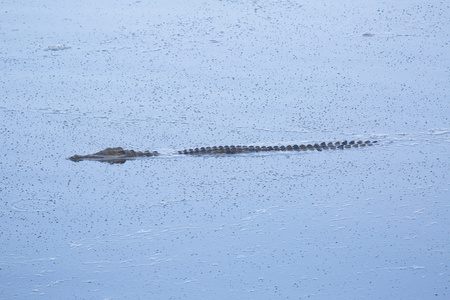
(302, 147)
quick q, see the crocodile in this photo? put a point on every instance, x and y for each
(119, 155)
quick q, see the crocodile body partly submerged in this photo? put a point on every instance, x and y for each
(120, 155)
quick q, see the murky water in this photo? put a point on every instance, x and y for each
(356, 224)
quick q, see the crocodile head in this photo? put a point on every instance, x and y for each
(110, 155)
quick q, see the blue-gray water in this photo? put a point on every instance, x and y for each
(368, 223)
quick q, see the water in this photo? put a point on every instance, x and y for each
(363, 223)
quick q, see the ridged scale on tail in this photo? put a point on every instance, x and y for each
(247, 149)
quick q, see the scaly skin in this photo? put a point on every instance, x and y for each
(119, 155)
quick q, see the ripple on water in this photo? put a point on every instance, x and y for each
(33, 205)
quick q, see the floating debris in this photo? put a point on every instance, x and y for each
(57, 47)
